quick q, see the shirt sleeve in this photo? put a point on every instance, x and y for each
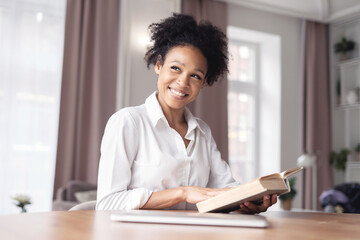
(220, 172)
(118, 151)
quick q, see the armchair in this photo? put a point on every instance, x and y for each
(74, 193)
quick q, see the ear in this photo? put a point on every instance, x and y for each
(158, 65)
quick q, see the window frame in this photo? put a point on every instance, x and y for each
(253, 89)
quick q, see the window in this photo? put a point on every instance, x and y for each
(31, 47)
(242, 113)
(254, 97)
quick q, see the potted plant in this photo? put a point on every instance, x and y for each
(339, 159)
(286, 199)
(21, 201)
(344, 46)
(357, 150)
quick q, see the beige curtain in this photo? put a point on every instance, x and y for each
(316, 109)
(211, 104)
(88, 87)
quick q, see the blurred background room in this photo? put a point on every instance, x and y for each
(291, 97)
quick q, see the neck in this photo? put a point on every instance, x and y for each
(175, 117)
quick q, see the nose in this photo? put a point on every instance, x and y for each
(183, 80)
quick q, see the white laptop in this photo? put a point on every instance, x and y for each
(191, 218)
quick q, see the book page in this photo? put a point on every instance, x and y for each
(271, 176)
(289, 172)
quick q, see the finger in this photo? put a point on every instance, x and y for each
(244, 209)
(213, 193)
(273, 199)
(218, 189)
(253, 207)
(266, 201)
(260, 208)
(199, 198)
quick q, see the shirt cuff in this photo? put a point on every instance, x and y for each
(125, 200)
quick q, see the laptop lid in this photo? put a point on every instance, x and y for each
(190, 218)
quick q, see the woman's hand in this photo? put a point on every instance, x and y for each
(193, 194)
(170, 197)
(252, 208)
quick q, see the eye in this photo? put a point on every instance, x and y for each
(175, 68)
(196, 76)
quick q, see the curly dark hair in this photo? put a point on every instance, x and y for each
(182, 30)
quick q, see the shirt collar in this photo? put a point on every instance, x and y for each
(191, 121)
(155, 113)
(154, 110)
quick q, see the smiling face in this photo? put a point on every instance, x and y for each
(181, 77)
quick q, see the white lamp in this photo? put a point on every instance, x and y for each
(306, 160)
(309, 160)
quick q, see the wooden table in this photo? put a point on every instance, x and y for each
(97, 225)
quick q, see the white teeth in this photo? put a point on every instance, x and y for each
(177, 93)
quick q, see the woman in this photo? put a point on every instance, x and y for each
(158, 155)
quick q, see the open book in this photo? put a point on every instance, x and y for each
(253, 191)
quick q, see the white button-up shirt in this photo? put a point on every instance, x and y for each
(141, 154)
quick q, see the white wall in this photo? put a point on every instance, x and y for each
(289, 29)
(135, 81)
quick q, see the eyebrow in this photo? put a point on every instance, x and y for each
(182, 64)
